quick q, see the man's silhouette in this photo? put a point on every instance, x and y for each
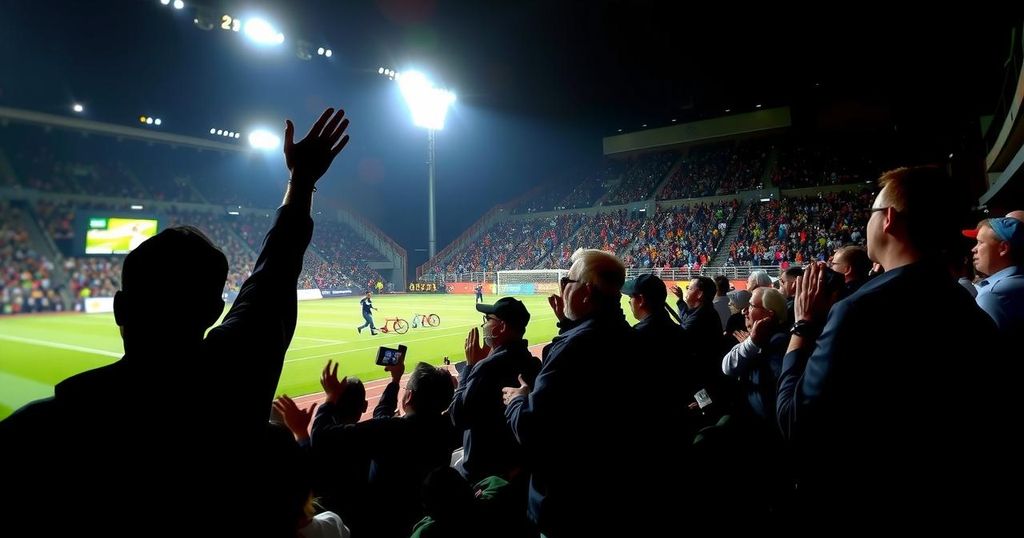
(170, 436)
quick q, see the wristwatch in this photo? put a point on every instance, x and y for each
(805, 329)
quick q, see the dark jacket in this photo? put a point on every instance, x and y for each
(489, 447)
(880, 411)
(566, 425)
(401, 451)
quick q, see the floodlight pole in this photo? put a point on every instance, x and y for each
(430, 195)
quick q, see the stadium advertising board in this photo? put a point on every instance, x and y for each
(469, 288)
(422, 287)
(340, 292)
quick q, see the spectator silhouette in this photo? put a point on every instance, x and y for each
(117, 444)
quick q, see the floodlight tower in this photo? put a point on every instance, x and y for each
(429, 106)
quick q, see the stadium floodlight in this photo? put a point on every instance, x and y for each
(136, 207)
(320, 51)
(220, 131)
(757, 106)
(238, 135)
(264, 139)
(165, 2)
(213, 131)
(149, 121)
(157, 121)
(178, 4)
(429, 106)
(142, 119)
(380, 70)
(261, 32)
(77, 107)
(328, 53)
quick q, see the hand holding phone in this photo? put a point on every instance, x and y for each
(387, 356)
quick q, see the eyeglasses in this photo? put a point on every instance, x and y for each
(489, 318)
(562, 282)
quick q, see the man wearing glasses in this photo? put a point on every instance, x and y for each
(868, 406)
(853, 263)
(477, 410)
(571, 417)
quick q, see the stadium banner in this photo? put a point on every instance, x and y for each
(546, 288)
(423, 287)
(309, 295)
(525, 288)
(99, 305)
(470, 288)
(340, 292)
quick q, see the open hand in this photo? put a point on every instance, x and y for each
(309, 158)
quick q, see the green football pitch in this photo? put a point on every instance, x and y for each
(38, 351)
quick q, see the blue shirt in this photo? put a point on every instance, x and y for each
(1001, 296)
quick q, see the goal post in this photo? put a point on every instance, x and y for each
(528, 282)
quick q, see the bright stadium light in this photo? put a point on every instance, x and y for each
(178, 4)
(220, 131)
(380, 70)
(320, 51)
(149, 121)
(157, 121)
(429, 106)
(77, 107)
(136, 207)
(264, 139)
(165, 2)
(328, 53)
(213, 131)
(238, 135)
(262, 32)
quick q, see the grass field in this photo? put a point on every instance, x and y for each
(38, 351)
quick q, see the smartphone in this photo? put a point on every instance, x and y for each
(834, 281)
(388, 356)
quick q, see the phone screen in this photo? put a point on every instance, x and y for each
(387, 356)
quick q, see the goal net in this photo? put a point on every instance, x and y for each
(526, 282)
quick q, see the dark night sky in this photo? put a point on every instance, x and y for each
(539, 82)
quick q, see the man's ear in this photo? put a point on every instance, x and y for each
(1004, 249)
(122, 307)
(406, 398)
